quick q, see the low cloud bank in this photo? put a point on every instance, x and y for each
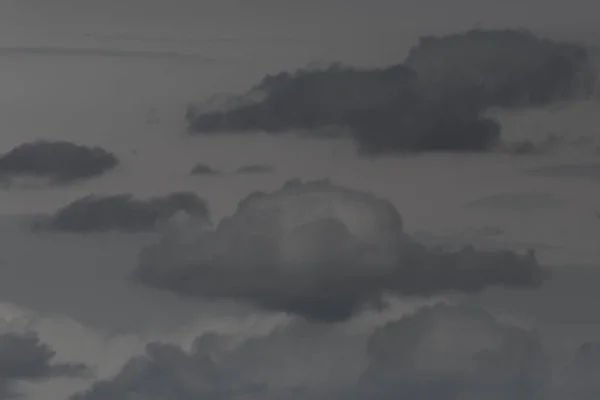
(58, 161)
(122, 212)
(435, 101)
(440, 352)
(23, 358)
(323, 252)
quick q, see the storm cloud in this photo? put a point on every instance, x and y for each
(23, 358)
(435, 101)
(323, 252)
(122, 212)
(58, 161)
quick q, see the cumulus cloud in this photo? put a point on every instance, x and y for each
(435, 101)
(504, 68)
(454, 352)
(203, 169)
(255, 169)
(321, 251)
(439, 352)
(291, 362)
(58, 161)
(23, 358)
(122, 212)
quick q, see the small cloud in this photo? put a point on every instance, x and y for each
(122, 212)
(60, 162)
(203, 169)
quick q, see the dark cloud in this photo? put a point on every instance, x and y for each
(23, 358)
(122, 212)
(439, 352)
(59, 161)
(434, 102)
(383, 107)
(255, 169)
(323, 252)
(203, 169)
(292, 362)
(504, 68)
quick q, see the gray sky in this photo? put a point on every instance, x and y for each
(72, 290)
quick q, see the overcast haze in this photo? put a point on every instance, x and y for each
(317, 288)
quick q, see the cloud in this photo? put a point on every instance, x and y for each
(383, 107)
(320, 251)
(122, 212)
(255, 169)
(506, 68)
(290, 362)
(23, 358)
(203, 169)
(435, 101)
(454, 352)
(438, 352)
(58, 161)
